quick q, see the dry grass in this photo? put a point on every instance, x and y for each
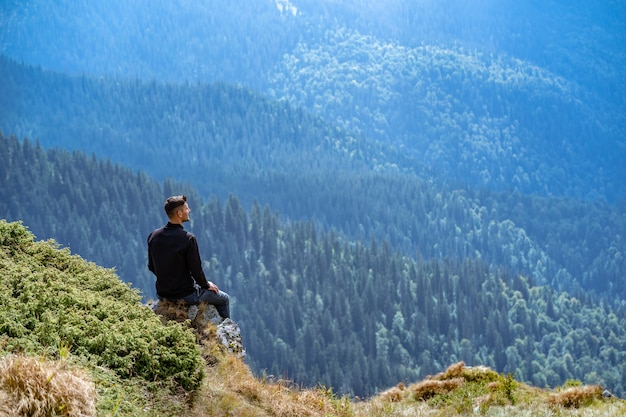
(576, 397)
(205, 331)
(429, 388)
(469, 374)
(461, 390)
(174, 311)
(232, 390)
(33, 387)
(443, 383)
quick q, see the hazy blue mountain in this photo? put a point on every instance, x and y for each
(487, 120)
(191, 41)
(201, 133)
(525, 97)
(240, 41)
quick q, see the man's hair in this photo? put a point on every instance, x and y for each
(172, 203)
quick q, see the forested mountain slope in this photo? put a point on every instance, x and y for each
(240, 42)
(317, 307)
(223, 139)
(482, 119)
(196, 132)
(526, 96)
(101, 211)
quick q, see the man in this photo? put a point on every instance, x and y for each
(174, 258)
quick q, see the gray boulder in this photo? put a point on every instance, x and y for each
(200, 318)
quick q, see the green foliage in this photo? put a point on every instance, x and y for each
(461, 400)
(507, 386)
(54, 302)
(134, 397)
(572, 383)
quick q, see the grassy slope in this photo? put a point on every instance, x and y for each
(73, 333)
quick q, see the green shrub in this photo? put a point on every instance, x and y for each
(51, 298)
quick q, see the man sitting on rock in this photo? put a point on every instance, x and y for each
(174, 258)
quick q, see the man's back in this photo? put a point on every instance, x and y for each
(173, 258)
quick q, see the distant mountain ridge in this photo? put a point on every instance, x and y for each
(195, 132)
(240, 42)
(516, 97)
(484, 120)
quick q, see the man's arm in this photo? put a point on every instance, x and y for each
(150, 263)
(195, 263)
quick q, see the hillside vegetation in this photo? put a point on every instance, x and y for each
(55, 305)
(319, 308)
(75, 341)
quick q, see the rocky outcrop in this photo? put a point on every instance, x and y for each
(205, 319)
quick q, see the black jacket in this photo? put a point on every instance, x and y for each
(174, 258)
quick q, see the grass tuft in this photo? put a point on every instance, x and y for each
(576, 397)
(34, 387)
(430, 388)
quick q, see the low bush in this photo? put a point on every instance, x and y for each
(51, 298)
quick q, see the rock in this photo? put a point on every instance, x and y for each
(230, 336)
(199, 316)
(202, 314)
(607, 394)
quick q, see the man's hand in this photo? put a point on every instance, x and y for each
(213, 287)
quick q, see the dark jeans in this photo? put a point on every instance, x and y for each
(220, 300)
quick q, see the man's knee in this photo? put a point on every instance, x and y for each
(211, 297)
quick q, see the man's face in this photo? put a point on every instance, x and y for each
(183, 212)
